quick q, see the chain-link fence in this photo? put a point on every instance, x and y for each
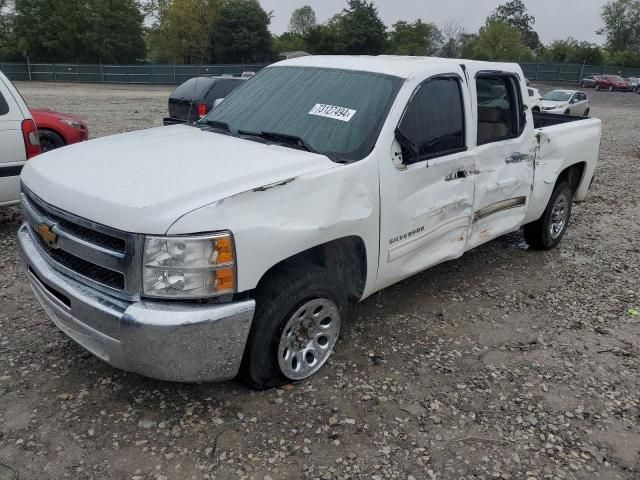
(566, 72)
(177, 74)
(142, 74)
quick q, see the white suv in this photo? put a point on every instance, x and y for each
(18, 141)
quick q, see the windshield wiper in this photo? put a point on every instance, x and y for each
(283, 138)
(290, 140)
(215, 124)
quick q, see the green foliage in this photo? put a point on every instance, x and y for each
(79, 30)
(302, 20)
(573, 51)
(626, 58)
(180, 33)
(289, 42)
(241, 33)
(323, 40)
(359, 29)
(498, 41)
(621, 20)
(416, 38)
(514, 13)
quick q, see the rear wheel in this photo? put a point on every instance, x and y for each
(547, 232)
(299, 312)
(583, 85)
(50, 140)
(597, 86)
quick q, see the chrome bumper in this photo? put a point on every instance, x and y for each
(169, 341)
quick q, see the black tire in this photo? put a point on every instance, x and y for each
(611, 88)
(536, 109)
(278, 297)
(583, 85)
(538, 234)
(50, 140)
(597, 87)
(587, 112)
(567, 112)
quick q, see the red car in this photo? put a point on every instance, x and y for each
(612, 82)
(58, 129)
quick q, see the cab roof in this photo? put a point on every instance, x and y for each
(399, 66)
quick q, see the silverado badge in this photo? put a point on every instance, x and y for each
(47, 235)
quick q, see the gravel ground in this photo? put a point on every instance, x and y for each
(507, 363)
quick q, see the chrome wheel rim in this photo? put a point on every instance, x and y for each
(559, 217)
(308, 338)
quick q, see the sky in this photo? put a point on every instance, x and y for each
(555, 19)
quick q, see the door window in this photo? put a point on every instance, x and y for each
(500, 112)
(433, 123)
(4, 107)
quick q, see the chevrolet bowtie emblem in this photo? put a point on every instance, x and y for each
(46, 233)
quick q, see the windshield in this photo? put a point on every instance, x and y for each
(338, 113)
(557, 96)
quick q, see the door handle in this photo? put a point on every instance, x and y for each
(457, 175)
(517, 157)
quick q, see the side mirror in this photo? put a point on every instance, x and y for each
(410, 151)
(217, 102)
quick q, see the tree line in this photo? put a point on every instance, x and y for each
(237, 31)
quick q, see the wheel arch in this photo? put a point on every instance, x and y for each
(47, 128)
(345, 258)
(573, 175)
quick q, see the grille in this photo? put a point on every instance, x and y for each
(82, 267)
(94, 254)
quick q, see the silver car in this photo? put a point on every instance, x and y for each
(566, 102)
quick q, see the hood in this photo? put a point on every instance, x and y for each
(144, 181)
(553, 104)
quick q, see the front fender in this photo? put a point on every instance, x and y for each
(274, 222)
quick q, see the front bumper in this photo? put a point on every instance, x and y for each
(182, 342)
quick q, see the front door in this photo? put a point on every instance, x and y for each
(427, 181)
(505, 156)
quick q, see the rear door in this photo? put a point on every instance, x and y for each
(505, 154)
(12, 148)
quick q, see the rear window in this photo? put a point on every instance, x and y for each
(194, 88)
(222, 88)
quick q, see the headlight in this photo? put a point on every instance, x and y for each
(71, 123)
(189, 267)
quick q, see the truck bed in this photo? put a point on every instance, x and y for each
(541, 119)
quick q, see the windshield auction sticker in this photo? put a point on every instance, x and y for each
(331, 111)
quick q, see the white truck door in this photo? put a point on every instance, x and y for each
(427, 181)
(505, 155)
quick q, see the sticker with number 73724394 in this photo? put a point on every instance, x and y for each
(331, 111)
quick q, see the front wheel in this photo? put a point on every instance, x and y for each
(597, 87)
(299, 312)
(611, 88)
(587, 112)
(546, 233)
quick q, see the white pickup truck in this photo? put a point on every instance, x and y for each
(19, 141)
(194, 253)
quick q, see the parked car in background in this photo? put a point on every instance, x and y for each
(58, 129)
(195, 253)
(634, 84)
(612, 83)
(566, 102)
(18, 141)
(589, 81)
(197, 96)
(535, 99)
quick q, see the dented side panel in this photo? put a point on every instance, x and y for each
(279, 220)
(559, 147)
